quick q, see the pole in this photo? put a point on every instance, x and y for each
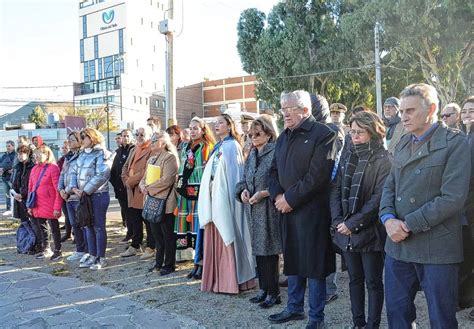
(107, 111)
(378, 77)
(170, 93)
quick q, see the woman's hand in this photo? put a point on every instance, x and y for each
(342, 228)
(256, 198)
(245, 196)
(144, 190)
(57, 213)
(18, 197)
(30, 211)
(77, 192)
(64, 195)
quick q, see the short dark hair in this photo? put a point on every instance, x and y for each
(371, 122)
(470, 99)
(12, 143)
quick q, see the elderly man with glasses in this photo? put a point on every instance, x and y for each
(451, 115)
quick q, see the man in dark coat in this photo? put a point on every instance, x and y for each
(6, 165)
(299, 184)
(121, 155)
(421, 208)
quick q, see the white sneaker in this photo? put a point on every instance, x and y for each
(84, 258)
(130, 252)
(149, 253)
(99, 264)
(45, 254)
(88, 263)
(76, 255)
(7, 213)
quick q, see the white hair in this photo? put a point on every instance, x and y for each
(455, 106)
(301, 97)
(428, 94)
(147, 130)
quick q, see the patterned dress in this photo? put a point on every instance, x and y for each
(193, 160)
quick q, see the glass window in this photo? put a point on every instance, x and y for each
(135, 99)
(116, 66)
(86, 71)
(164, 103)
(108, 67)
(99, 61)
(157, 103)
(92, 70)
(84, 27)
(152, 67)
(140, 99)
(146, 101)
(121, 41)
(81, 46)
(96, 46)
(142, 20)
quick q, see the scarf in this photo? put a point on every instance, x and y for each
(391, 123)
(140, 149)
(356, 164)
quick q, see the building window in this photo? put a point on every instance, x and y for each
(108, 67)
(151, 23)
(99, 61)
(153, 67)
(121, 41)
(84, 27)
(146, 101)
(155, 85)
(141, 83)
(135, 99)
(117, 64)
(157, 103)
(96, 46)
(137, 62)
(142, 20)
(92, 70)
(164, 103)
(86, 71)
(81, 46)
(131, 42)
(154, 48)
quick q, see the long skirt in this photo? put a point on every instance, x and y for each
(219, 271)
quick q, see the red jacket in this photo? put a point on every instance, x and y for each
(47, 195)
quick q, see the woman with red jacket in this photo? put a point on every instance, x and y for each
(47, 209)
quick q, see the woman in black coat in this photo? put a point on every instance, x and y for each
(356, 230)
(20, 177)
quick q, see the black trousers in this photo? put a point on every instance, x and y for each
(368, 267)
(136, 219)
(124, 212)
(43, 232)
(466, 277)
(165, 242)
(67, 223)
(267, 271)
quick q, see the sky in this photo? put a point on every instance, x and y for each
(39, 45)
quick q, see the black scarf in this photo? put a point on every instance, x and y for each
(391, 123)
(359, 155)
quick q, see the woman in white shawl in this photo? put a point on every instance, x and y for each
(228, 264)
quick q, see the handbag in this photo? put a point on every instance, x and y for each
(31, 199)
(154, 208)
(85, 211)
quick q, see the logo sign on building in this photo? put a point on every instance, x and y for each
(107, 20)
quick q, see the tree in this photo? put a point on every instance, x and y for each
(249, 29)
(37, 116)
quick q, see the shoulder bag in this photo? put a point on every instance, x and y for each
(31, 199)
(154, 208)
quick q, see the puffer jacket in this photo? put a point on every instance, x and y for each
(47, 197)
(65, 177)
(91, 171)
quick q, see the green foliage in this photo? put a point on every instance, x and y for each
(327, 47)
(37, 116)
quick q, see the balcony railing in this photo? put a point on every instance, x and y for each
(97, 86)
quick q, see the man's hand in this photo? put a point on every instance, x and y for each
(64, 195)
(282, 205)
(342, 228)
(245, 196)
(397, 230)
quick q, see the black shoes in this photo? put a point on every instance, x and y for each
(270, 301)
(193, 272)
(285, 316)
(57, 255)
(166, 271)
(198, 274)
(259, 298)
(315, 325)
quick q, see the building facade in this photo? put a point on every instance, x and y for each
(121, 57)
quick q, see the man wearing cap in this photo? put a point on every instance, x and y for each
(338, 113)
(245, 120)
(393, 122)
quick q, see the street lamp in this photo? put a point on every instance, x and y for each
(107, 110)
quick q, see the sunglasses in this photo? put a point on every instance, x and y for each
(256, 135)
(447, 115)
(139, 135)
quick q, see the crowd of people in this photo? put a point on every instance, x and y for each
(391, 195)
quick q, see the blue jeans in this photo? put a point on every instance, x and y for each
(439, 283)
(97, 235)
(317, 296)
(79, 232)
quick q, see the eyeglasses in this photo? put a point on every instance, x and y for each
(447, 115)
(256, 135)
(354, 132)
(83, 136)
(139, 135)
(290, 109)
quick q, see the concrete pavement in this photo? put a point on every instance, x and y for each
(30, 299)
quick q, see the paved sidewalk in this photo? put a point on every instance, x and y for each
(30, 299)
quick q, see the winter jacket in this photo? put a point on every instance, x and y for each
(121, 156)
(66, 173)
(132, 174)
(47, 197)
(20, 179)
(6, 162)
(91, 171)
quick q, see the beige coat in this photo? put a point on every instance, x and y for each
(397, 135)
(131, 177)
(169, 165)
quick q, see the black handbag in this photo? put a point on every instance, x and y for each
(85, 211)
(154, 208)
(31, 199)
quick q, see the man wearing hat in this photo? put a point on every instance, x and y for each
(393, 122)
(338, 113)
(245, 120)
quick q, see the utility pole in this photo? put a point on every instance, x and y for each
(378, 77)
(170, 93)
(107, 111)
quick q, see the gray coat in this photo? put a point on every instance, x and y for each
(65, 177)
(427, 190)
(91, 171)
(263, 218)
